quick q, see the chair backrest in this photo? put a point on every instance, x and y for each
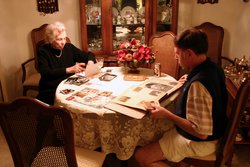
(1, 93)
(37, 38)
(215, 35)
(225, 150)
(31, 126)
(225, 147)
(163, 45)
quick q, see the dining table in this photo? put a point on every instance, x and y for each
(96, 126)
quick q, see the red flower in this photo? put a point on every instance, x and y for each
(129, 57)
(133, 41)
(122, 46)
(134, 51)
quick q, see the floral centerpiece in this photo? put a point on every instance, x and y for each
(133, 54)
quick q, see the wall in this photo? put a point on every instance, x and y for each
(232, 15)
(17, 20)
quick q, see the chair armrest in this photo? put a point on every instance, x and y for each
(24, 68)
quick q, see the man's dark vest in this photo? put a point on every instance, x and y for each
(212, 77)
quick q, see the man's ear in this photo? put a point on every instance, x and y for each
(190, 52)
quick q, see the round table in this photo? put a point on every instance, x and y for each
(96, 126)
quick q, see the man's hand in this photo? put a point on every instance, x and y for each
(183, 79)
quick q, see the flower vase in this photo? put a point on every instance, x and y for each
(133, 67)
(133, 70)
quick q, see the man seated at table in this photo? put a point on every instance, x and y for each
(200, 119)
(57, 60)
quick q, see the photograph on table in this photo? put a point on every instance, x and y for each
(66, 91)
(92, 97)
(107, 77)
(76, 80)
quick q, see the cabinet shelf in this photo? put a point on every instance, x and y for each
(93, 24)
(244, 124)
(129, 25)
(243, 141)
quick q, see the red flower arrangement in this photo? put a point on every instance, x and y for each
(134, 54)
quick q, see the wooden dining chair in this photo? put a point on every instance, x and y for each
(31, 79)
(42, 135)
(215, 36)
(163, 45)
(31, 76)
(224, 153)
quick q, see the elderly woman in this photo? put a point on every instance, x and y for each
(57, 60)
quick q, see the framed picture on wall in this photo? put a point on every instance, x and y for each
(207, 1)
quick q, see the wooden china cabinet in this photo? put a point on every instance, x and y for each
(105, 23)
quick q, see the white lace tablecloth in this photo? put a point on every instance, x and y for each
(112, 131)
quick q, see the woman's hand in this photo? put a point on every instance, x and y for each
(77, 68)
(91, 62)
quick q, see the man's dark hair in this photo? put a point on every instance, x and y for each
(193, 39)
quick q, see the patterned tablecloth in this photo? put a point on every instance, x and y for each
(96, 126)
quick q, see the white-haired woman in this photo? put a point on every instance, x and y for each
(57, 60)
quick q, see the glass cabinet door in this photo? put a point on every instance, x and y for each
(165, 15)
(128, 19)
(93, 23)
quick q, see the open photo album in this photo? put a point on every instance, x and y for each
(138, 98)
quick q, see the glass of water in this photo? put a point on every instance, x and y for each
(100, 61)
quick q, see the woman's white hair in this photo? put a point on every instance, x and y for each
(53, 30)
